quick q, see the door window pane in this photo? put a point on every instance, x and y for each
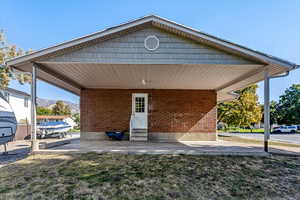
(139, 104)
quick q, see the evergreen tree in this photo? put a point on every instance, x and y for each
(60, 108)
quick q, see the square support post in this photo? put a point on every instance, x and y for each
(34, 141)
(266, 109)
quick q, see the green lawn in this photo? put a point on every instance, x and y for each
(116, 176)
(241, 130)
(74, 130)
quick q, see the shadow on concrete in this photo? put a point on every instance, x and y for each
(18, 151)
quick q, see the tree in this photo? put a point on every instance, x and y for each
(225, 111)
(6, 74)
(76, 118)
(274, 112)
(40, 110)
(243, 111)
(289, 105)
(61, 109)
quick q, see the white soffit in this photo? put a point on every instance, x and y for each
(91, 75)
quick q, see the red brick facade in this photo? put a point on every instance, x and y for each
(169, 110)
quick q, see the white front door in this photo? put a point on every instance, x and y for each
(140, 110)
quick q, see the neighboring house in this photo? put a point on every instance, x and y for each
(155, 78)
(56, 118)
(20, 102)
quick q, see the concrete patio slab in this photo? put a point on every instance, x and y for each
(189, 148)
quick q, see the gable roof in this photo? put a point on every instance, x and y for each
(163, 24)
(14, 91)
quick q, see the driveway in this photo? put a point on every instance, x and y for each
(287, 138)
(20, 149)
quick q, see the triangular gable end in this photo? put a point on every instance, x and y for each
(131, 48)
(218, 43)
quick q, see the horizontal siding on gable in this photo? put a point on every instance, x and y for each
(130, 49)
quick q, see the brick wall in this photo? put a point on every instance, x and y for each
(169, 110)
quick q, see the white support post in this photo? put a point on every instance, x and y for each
(266, 109)
(34, 141)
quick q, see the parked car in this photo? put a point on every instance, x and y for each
(298, 127)
(285, 129)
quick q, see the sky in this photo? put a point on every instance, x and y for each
(270, 26)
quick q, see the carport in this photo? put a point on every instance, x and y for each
(151, 53)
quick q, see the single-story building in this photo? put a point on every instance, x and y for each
(158, 79)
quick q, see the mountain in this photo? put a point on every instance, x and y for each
(48, 103)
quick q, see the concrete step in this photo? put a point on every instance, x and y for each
(139, 134)
(134, 138)
(140, 130)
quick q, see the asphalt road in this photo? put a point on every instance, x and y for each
(288, 137)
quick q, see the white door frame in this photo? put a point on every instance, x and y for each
(140, 110)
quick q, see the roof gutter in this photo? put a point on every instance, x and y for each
(294, 67)
(234, 94)
(286, 73)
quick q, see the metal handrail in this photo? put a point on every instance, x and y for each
(131, 124)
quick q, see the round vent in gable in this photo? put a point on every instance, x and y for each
(151, 42)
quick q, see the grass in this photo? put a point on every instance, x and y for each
(241, 130)
(150, 177)
(74, 130)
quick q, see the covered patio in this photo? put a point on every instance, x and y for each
(150, 55)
